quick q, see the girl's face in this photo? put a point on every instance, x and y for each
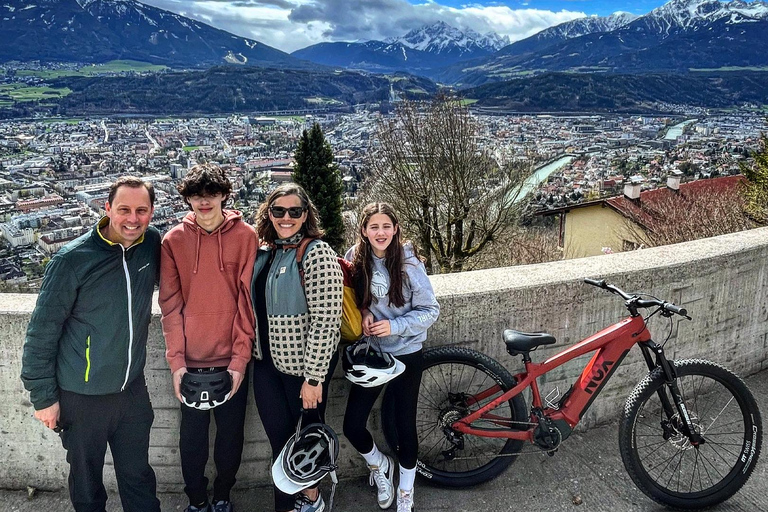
(286, 226)
(380, 230)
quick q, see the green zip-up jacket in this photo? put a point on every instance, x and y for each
(88, 332)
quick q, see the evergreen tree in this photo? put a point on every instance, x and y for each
(315, 171)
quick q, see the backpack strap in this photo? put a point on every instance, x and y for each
(301, 249)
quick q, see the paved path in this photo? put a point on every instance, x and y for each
(587, 469)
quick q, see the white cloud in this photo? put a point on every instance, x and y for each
(292, 24)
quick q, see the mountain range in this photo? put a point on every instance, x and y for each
(102, 30)
(714, 52)
(418, 51)
(679, 36)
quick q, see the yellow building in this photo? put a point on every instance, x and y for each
(621, 223)
(597, 228)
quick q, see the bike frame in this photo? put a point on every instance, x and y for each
(610, 345)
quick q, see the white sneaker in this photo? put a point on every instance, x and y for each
(404, 501)
(304, 504)
(382, 477)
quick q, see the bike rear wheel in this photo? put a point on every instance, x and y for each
(661, 460)
(451, 376)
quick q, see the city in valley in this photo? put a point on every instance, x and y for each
(54, 173)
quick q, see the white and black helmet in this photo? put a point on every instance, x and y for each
(366, 365)
(205, 390)
(306, 458)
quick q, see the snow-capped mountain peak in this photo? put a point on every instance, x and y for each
(441, 37)
(688, 13)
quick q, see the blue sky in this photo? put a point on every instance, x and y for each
(292, 24)
(601, 8)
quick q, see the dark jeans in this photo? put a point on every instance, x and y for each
(122, 420)
(227, 448)
(406, 390)
(277, 398)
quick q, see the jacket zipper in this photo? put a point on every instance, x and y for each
(87, 358)
(277, 275)
(130, 318)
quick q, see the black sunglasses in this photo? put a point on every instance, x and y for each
(294, 212)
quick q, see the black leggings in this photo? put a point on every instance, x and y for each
(406, 391)
(279, 405)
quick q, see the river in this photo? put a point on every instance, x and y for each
(542, 173)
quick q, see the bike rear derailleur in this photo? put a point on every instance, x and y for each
(457, 443)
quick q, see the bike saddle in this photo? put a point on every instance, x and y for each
(522, 342)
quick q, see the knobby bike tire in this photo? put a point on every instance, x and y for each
(458, 371)
(664, 464)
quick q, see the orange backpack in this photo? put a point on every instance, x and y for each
(351, 318)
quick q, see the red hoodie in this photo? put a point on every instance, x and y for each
(205, 281)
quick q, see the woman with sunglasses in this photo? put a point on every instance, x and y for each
(298, 321)
(398, 305)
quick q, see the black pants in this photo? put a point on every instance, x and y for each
(227, 447)
(277, 398)
(122, 420)
(406, 389)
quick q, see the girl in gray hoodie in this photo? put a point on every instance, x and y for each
(398, 305)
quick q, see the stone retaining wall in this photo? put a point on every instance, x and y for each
(722, 281)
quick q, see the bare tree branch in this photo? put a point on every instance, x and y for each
(452, 195)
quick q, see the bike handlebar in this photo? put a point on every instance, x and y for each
(634, 302)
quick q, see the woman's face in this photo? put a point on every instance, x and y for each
(286, 226)
(380, 230)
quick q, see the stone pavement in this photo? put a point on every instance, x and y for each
(586, 475)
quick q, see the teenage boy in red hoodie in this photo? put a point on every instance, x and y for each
(205, 277)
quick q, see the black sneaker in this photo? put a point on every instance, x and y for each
(205, 508)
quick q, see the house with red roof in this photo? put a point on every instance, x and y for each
(645, 217)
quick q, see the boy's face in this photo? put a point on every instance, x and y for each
(207, 208)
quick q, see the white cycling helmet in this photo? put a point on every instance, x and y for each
(306, 458)
(367, 366)
(205, 390)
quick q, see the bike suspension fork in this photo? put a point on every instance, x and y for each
(670, 381)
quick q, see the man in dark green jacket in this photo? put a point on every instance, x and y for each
(84, 355)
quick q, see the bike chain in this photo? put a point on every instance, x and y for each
(532, 451)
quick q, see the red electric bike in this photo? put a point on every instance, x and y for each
(689, 434)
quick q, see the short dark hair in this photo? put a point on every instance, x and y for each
(205, 180)
(311, 227)
(131, 182)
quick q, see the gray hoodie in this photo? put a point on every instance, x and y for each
(409, 323)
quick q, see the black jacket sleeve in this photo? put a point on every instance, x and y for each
(58, 293)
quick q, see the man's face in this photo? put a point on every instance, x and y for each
(129, 215)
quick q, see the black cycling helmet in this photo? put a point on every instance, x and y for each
(205, 390)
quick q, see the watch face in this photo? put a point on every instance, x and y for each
(313, 382)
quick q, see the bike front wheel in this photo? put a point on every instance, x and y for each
(661, 459)
(455, 382)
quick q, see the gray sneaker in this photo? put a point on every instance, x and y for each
(382, 477)
(304, 504)
(223, 506)
(404, 501)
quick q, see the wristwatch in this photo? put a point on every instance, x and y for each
(313, 382)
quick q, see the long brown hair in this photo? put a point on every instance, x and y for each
(394, 259)
(311, 227)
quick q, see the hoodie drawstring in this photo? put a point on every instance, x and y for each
(221, 252)
(197, 252)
